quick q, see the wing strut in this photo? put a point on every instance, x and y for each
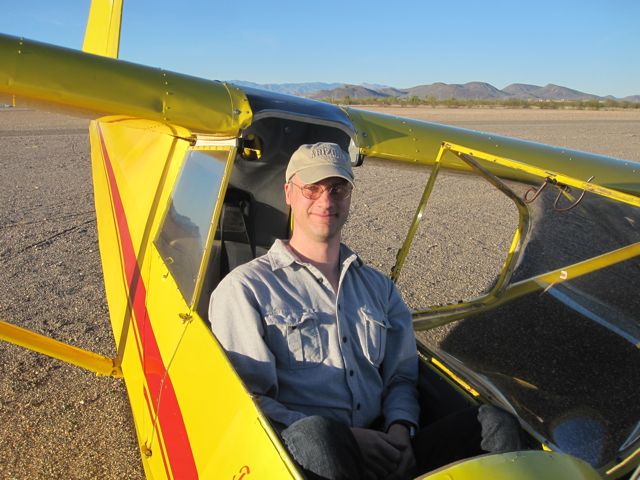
(62, 351)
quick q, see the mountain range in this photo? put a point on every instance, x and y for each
(438, 90)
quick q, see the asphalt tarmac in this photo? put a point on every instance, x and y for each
(58, 421)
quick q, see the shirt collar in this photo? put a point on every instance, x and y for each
(280, 256)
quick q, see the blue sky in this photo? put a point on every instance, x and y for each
(592, 46)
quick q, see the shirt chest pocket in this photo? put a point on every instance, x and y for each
(372, 330)
(294, 339)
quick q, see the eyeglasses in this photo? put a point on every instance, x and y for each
(337, 191)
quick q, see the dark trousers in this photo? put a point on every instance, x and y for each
(326, 449)
(454, 437)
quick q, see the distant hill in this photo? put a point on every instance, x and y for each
(522, 90)
(468, 91)
(374, 86)
(549, 92)
(393, 92)
(556, 92)
(438, 91)
(351, 91)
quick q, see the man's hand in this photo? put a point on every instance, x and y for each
(381, 457)
(398, 435)
(386, 455)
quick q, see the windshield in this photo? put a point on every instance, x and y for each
(564, 355)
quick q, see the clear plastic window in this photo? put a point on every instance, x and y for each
(183, 236)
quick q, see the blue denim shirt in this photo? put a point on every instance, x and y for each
(303, 350)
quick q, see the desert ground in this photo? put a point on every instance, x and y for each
(59, 421)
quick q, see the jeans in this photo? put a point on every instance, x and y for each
(324, 449)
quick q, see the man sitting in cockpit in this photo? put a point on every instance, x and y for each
(326, 344)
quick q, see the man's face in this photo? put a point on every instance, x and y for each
(319, 220)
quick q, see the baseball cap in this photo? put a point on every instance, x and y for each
(315, 162)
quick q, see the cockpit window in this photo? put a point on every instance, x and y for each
(436, 269)
(183, 236)
(559, 344)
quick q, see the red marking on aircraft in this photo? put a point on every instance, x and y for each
(169, 416)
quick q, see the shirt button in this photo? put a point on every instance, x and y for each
(344, 339)
(351, 373)
(358, 407)
(339, 307)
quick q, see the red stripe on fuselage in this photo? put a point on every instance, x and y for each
(128, 311)
(172, 425)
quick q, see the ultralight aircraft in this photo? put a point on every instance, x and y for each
(188, 177)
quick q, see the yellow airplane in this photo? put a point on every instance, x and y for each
(187, 178)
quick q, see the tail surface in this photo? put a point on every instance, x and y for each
(102, 36)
